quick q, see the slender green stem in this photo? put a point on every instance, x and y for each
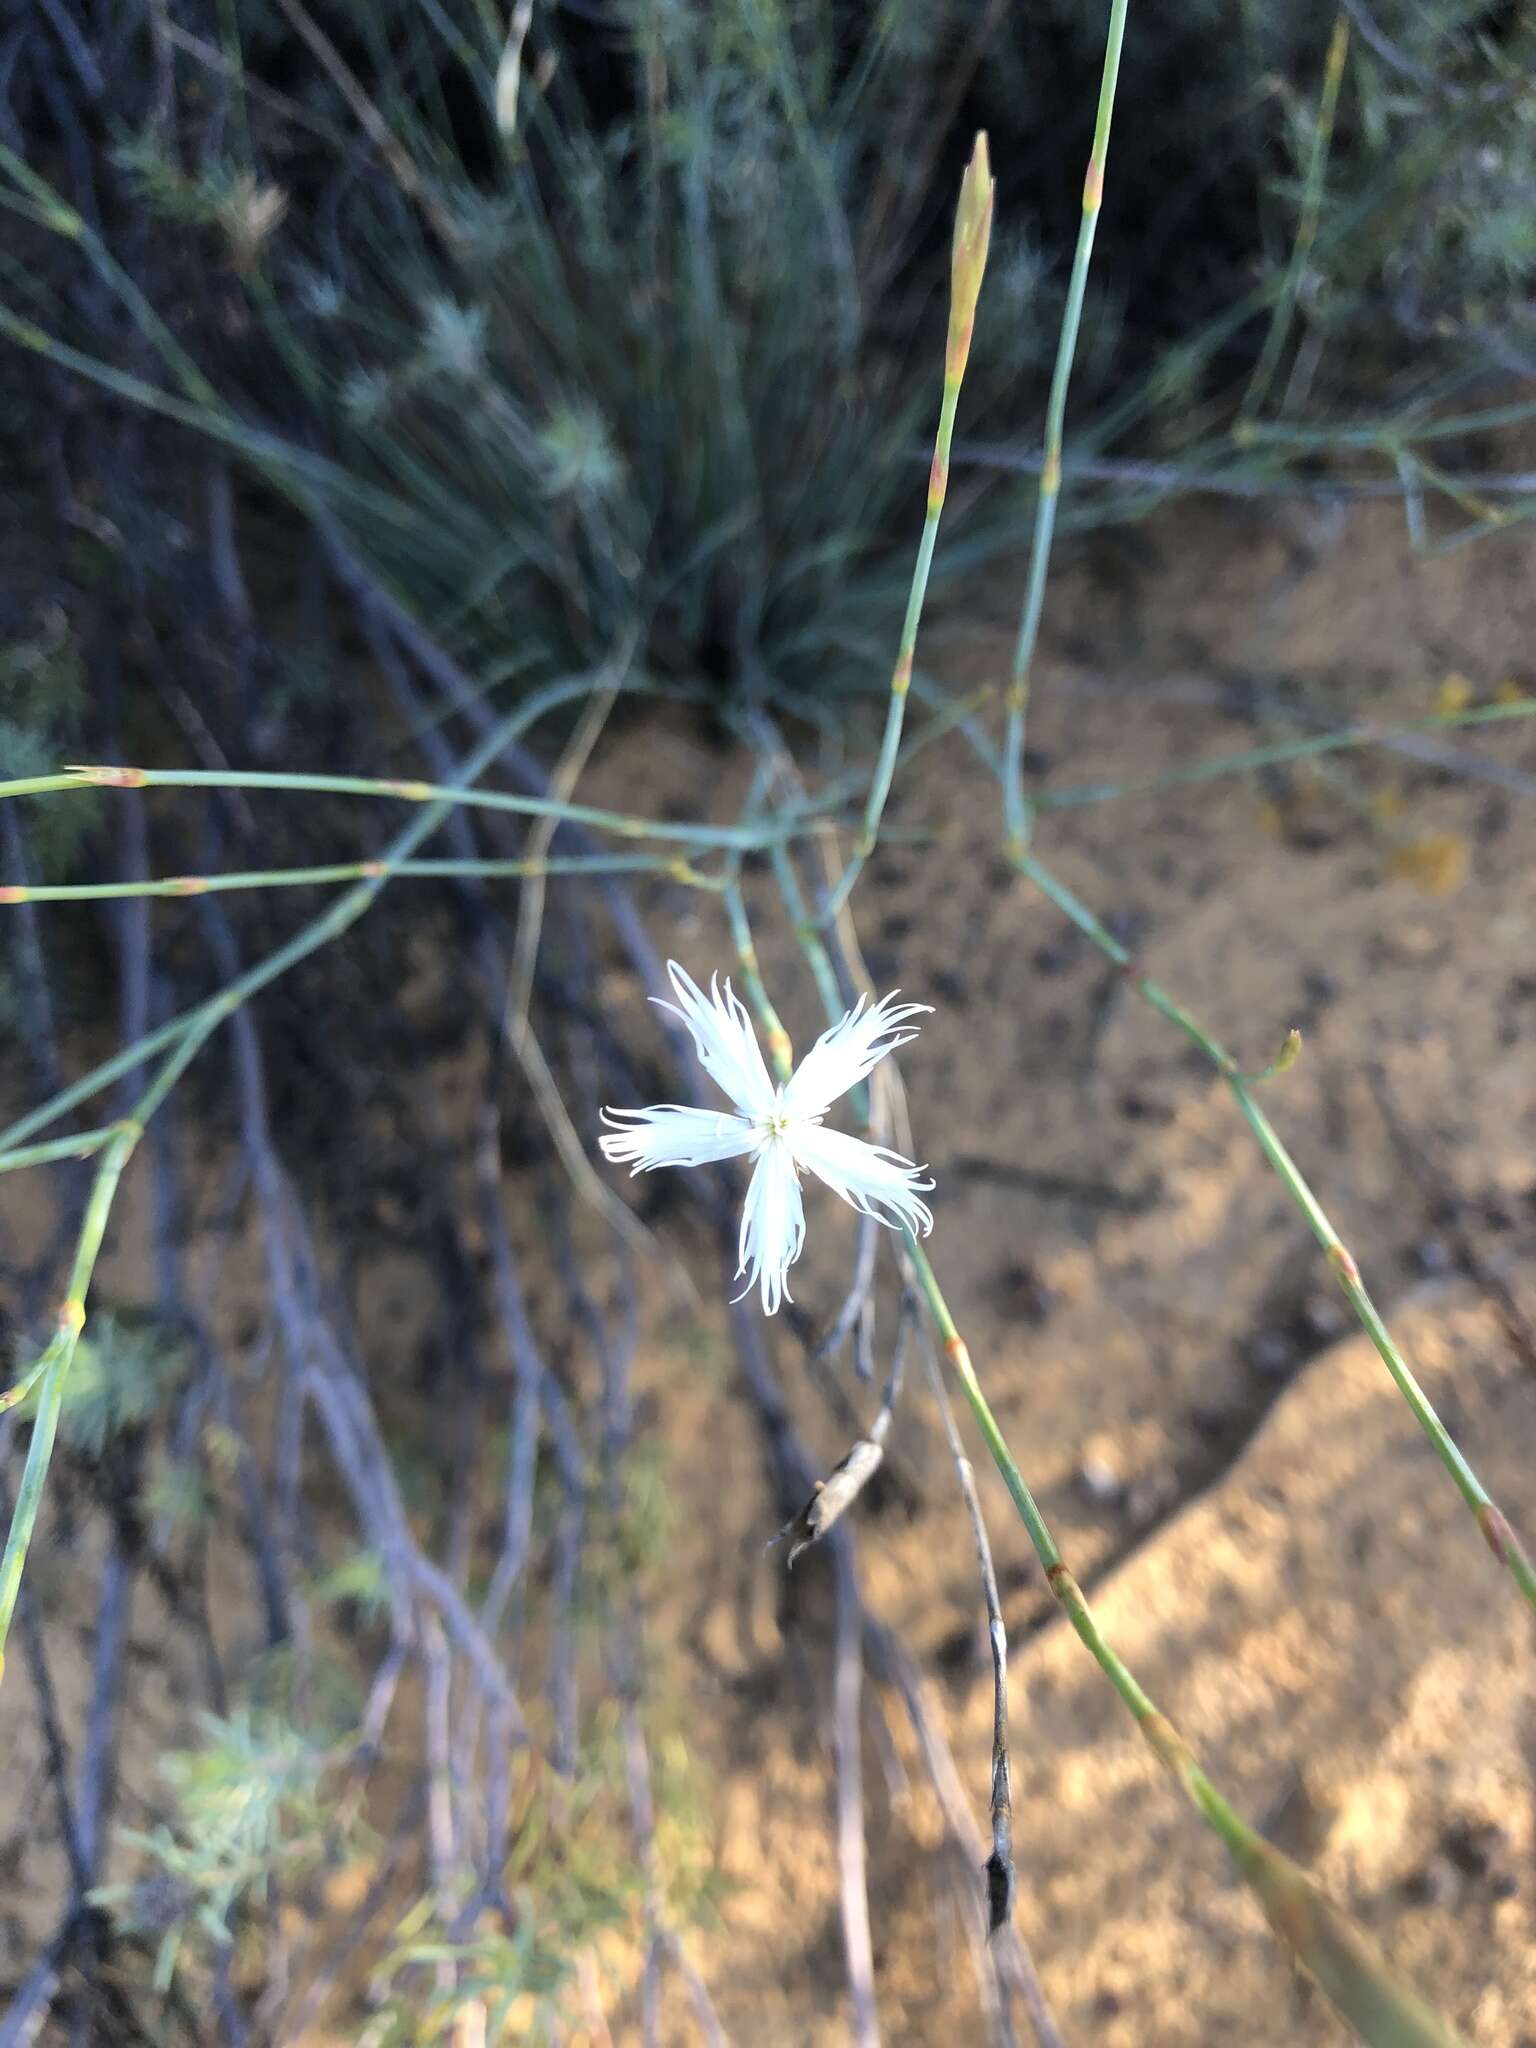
(79, 1145)
(1306, 225)
(973, 229)
(1015, 808)
(780, 1051)
(293, 469)
(1496, 1530)
(15, 1395)
(1386, 2011)
(363, 870)
(53, 1370)
(620, 823)
(1280, 751)
(807, 932)
(1384, 434)
(39, 785)
(331, 922)
(186, 1036)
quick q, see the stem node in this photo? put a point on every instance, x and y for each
(1345, 1268)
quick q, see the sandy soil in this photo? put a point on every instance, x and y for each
(1268, 1539)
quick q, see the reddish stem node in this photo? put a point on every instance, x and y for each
(1342, 1260)
(106, 777)
(1497, 1533)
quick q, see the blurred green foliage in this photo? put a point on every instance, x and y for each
(246, 1810)
(128, 1366)
(624, 332)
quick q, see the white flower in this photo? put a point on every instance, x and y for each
(780, 1127)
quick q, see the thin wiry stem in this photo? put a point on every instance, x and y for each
(620, 823)
(1387, 434)
(1306, 226)
(186, 1036)
(1497, 1532)
(1001, 1876)
(973, 230)
(53, 1370)
(780, 1051)
(78, 1146)
(852, 1852)
(1016, 811)
(1209, 478)
(366, 870)
(1358, 1980)
(1345, 740)
(334, 920)
(1354, 1976)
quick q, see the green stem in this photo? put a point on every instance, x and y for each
(1015, 808)
(53, 1370)
(780, 1051)
(186, 1035)
(331, 922)
(973, 227)
(363, 870)
(79, 1145)
(1387, 433)
(618, 822)
(1385, 2010)
(335, 919)
(1281, 751)
(807, 933)
(1306, 225)
(1496, 1530)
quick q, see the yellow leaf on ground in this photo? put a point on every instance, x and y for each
(1436, 864)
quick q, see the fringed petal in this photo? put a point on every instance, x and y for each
(843, 1056)
(722, 1033)
(671, 1135)
(880, 1183)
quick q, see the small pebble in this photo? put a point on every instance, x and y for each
(1100, 1480)
(1432, 1255)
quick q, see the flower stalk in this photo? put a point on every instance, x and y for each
(677, 870)
(1384, 2009)
(973, 234)
(1495, 1527)
(1016, 810)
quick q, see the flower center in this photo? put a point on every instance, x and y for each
(775, 1122)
